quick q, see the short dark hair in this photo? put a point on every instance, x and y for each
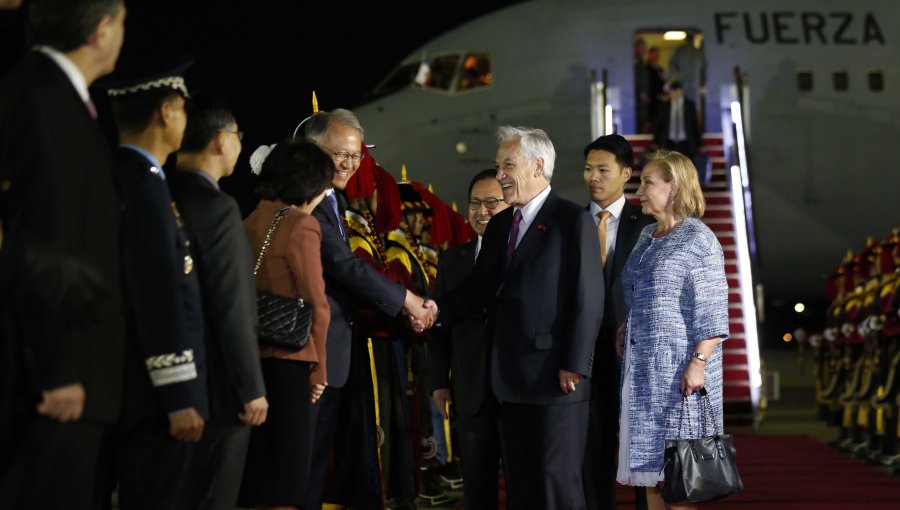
(134, 111)
(206, 116)
(295, 172)
(66, 25)
(676, 85)
(483, 175)
(617, 145)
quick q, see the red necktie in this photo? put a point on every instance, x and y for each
(513, 236)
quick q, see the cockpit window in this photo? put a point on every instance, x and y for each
(476, 71)
(442, 70)
(401, 78)
(439, 72)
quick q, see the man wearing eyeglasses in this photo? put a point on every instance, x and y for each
(462, 351)
(237, 399)
(339, 134)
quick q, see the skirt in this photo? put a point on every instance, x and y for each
(278, 456)
(624, 474)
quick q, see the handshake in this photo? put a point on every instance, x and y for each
(422, 313)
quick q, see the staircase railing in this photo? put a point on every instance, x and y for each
(745, 242)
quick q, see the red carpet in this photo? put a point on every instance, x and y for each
(798, 473)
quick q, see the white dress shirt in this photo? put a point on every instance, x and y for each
(529, 211)
(676, 121)
(70, 69)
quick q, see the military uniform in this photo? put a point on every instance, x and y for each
(165, 353)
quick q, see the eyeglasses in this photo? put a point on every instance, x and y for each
(240, 134)
(490, 203)
(341, 156)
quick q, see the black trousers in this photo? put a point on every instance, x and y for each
(345, 431)
(58, 465)
(217, 466)
(543, 453)
(478, 437)
(602, 440)
(153, 468)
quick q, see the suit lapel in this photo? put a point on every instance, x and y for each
(328, 212)
(627, 225)
(467, 254)
(537, 229)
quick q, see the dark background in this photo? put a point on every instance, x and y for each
(266, 57)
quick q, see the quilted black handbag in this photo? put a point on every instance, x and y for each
(702, 469)
(283, 322)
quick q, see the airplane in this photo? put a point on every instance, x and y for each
(802, 99)
(820, 160)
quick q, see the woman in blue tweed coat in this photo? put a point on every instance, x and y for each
(676, 300)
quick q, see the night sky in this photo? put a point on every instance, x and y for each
(265, 57)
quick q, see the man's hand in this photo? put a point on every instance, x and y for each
(441, 399)
(255, 412)
(186, 425)
(63, 404)
(315, 392)
(568, 380)
(421, 315)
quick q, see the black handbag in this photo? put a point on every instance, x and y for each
(283, 322)
(703, 469)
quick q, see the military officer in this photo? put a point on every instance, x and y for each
(165, 394)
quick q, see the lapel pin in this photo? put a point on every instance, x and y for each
(542, 227)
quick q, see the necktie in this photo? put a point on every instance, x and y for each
(332, 199)
(91, 108)
(601, 234)
(679, 122)
(513, 236)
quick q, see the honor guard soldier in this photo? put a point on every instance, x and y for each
(374, 211)
(882, 322)
(406, 259)
(166, 401)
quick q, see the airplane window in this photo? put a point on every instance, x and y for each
(476, 72)
(841, 81)
(876, 81)
(401, 78)
(442, 72)
(804, 81)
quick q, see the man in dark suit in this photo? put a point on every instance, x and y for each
(607, 168)
(460, 358)
(536, 275)
(237, 399)
(677, 127)
(62, 329)
(166, 401)
(346, 276)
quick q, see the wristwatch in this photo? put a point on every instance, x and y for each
(700, 356)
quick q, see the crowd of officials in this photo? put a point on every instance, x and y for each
(440, 349)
